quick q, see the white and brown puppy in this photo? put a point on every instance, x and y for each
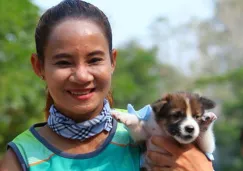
(179, 115)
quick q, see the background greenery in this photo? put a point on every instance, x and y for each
(142, 75)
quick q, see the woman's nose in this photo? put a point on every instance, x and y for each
(82, 74)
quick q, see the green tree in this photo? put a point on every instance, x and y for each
(21, 99)
(136, 76)
(141, 78)
(220, 43)
(227, 128)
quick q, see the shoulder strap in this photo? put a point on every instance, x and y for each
(26, 144)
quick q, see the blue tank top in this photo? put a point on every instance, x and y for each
(117, 153)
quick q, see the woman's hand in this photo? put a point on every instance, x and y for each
(179, 157)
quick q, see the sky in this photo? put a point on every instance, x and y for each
(131, 19)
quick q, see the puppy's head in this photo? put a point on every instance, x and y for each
(179, 114)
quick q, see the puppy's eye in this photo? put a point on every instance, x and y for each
(176, 115)
(197, 117)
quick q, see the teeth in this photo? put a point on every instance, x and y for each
(79, 93)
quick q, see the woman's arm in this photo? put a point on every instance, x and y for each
(10, 162)
(180, 157)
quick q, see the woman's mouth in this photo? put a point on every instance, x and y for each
(81, 94)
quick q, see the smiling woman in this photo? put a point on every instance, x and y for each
(75, 58)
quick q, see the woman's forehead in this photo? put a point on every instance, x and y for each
(77, 34)
(84, 26)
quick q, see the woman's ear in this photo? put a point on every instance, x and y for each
(113, 59)
(37, 65)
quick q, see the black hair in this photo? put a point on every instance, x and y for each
(75, 9)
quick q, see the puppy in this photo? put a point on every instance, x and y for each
(178, 115)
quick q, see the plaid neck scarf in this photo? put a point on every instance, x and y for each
(68, 128)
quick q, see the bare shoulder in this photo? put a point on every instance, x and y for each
(10, 162)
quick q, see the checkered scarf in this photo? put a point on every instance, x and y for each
(68, 128)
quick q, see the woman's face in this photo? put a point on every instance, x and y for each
(78, 68)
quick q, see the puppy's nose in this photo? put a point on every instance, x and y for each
(189, 128)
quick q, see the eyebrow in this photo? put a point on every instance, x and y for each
(96, 52)
(67, 55)
(62, 55)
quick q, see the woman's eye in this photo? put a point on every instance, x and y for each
(95, 60)
(62, 63)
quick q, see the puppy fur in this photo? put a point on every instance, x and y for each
(178, 115)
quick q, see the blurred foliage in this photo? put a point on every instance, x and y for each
(228, 127)
(137, 72)
(221, 49)
(21, 99)
(140, 77)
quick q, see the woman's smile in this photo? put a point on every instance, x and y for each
(82, 94)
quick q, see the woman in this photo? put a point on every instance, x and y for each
(76, 60)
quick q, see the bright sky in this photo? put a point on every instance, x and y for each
(131, 18)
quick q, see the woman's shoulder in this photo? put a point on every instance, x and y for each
(10, 162)
(24, 146)
(28, 136)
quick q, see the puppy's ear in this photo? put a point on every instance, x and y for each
(159, 104)
(207, 103)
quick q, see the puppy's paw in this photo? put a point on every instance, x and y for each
(207, 120)
(116, 115)
(127, 119)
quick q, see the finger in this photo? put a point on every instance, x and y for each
(152, 147)
(114, 114)
(117, 115)
(170, 144)
(159, 159)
